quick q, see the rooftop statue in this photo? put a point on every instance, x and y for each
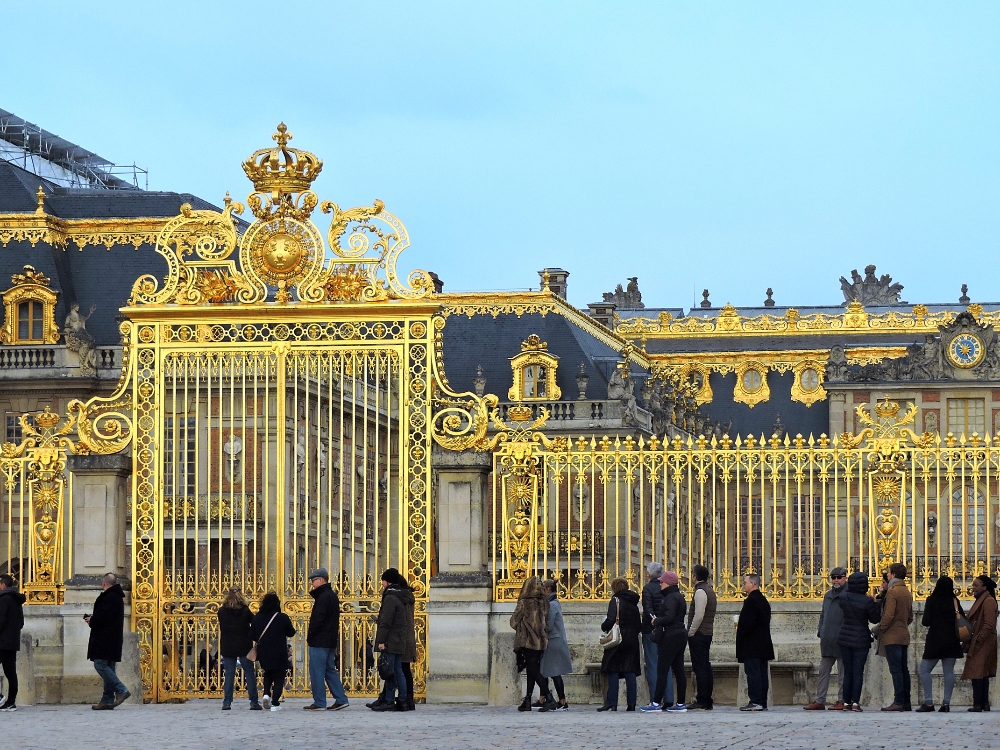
(871, 291)
(629, 298)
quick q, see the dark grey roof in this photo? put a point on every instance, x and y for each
(766, 343)
(797, 417)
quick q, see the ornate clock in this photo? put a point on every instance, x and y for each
(966, 350)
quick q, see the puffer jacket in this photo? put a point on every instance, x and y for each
(651, 598)
(670, 616)
(859, 610)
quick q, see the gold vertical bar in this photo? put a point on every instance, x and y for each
(280, 469)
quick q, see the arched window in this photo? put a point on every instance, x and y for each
(534, 371)
(30, 321)
(29, 307)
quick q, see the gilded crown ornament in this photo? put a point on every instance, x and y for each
(278, 175)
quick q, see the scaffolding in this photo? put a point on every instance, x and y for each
(64, 163)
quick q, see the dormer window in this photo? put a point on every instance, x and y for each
(534, 371)
(29, 310)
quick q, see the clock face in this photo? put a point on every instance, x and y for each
(966, 350)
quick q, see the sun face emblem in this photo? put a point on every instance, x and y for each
(282, 253)
(965, 350)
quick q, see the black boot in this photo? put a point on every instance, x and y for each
(525, 704)
(378, 701)
(400, 705)
(410, 706)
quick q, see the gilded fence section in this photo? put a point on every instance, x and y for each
(586, 511)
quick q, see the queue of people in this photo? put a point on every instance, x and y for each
(648, 631)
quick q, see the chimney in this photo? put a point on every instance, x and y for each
(603, 313)
(438, 284)
(557, 280)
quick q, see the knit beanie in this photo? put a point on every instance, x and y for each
(669, 577)
(391, 576)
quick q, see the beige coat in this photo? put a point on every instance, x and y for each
(982, 658)
(897, 614)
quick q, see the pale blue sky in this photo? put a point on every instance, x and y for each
(733, 146)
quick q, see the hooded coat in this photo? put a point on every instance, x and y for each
(392, 620)
(942, 635)
(981, 660)
(107, 626)
(555, 660)
(11, 618)
(859, 609)
(830, 620)
(409, 601)
(272, 643)
(624, 657)
(528, 620)
(324, 620)
(753, 631)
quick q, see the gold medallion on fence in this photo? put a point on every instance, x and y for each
(282, 254)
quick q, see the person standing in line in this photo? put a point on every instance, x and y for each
(107, 634)
(390, 640)
(622, 661)
(754, 648)
(323, 640)
(11, 623)
(894, 635)
(855, 639)
(701, 627)
(942, 643)
(652, 595)
(981, 661)
(831, 617)
(555, 660)
(410, 655)
(270, 630)
(671, 637)
(530, 641)
(235, 618)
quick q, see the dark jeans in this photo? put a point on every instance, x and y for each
(670, 658)
(757, 680)
(395, 684)
(854, 672)
(900, 671)
(229, 664)
(612, 697)
(981, 692)
(274, 684)
(8, 659)
(533, 668)
(408, 676)
(702, 667)
(112, 685)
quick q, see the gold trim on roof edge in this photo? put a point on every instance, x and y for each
(35, 228)
(780, 361)
(853, 320)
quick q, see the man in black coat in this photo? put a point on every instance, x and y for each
(323, 638)
(754, 648)
(107, 632)
(11, 622)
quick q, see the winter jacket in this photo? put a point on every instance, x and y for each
(830, 620)
(981, 660)
(753, 632)
(942, 635)
(859, 609)
(392, 621)
(11, 619)
(107, 626)
(897, 614)
(410, 654)
(528, 621)
(651, 598)
(324, 620)
(624, 657)
(272, 645)
(234, 631)
(670, 616)
(555, 660)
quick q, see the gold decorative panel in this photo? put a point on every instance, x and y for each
(30, 296)
(534, 372)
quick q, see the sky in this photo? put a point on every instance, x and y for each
(730, 146)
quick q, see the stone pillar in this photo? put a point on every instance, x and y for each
(99, 508)
(838, 413)
(458, 611)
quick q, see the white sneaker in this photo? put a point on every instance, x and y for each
(266, 702)
(275, 708)
(8, 709)
(3, 700)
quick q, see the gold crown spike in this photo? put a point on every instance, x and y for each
(519, 413)
(279, 173)
(47, 420)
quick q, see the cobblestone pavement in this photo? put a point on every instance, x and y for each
(201, 724)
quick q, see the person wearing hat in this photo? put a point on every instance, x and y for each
(671, 637)
(390, 640)
(323, 639)
(830, 619)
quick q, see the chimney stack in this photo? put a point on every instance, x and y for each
(557, 280)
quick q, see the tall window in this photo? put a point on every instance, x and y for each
(751, 533)
(534, 381)
(179, 456)
(13, 433)
(29, 321)
(808, 531)
(971, 525)
(966, 415)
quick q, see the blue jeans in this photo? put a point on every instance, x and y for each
(649, 653)
(854, 672)
(323, 672)
(613, 678)
(395, 684)
(112, 685)
(757, 680)
(249, 674)
(900, 671)
(948, 667)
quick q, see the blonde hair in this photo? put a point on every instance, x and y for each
(234, 599)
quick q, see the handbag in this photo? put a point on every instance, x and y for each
(962, 626)
(614, 636)
(384, 668)
(252, 654)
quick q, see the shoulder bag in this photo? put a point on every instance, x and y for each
(962, 626)
(614, 636)
(252, 655)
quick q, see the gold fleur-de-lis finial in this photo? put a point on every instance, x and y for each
(40, 195)
(282, 136)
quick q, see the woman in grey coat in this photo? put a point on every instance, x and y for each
(555, 660)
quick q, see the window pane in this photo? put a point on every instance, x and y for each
(966, 415)
(36, 321)
(23, 315)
